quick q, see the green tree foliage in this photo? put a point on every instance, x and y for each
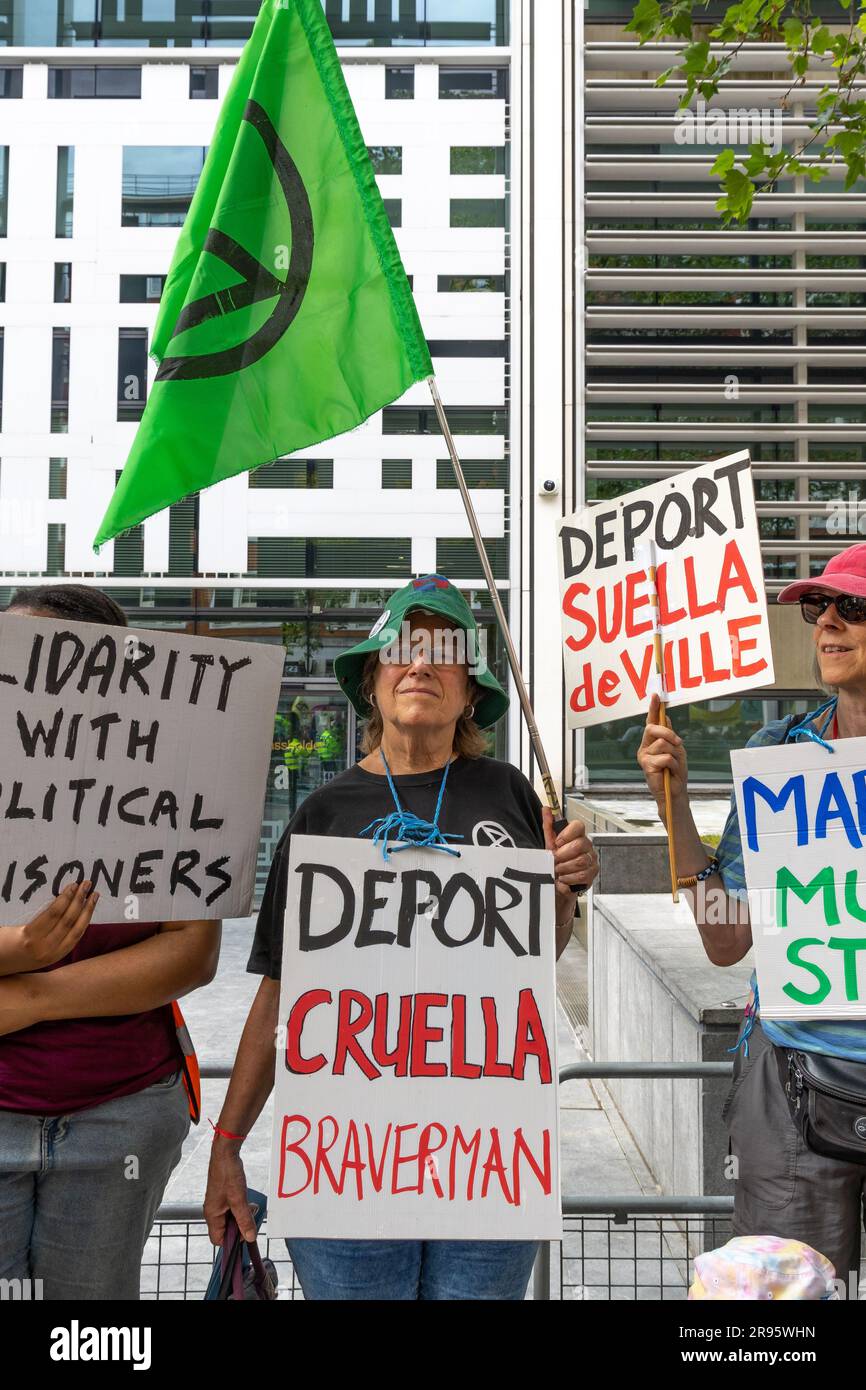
(838, 129)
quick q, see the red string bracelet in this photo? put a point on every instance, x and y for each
(226, 1133)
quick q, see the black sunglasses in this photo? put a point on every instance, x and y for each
(850, 608)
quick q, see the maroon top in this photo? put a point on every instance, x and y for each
(71, 1064)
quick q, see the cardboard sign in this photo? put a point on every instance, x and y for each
(416, 1081)
(700, 530)
(803, 829)
(134, 758)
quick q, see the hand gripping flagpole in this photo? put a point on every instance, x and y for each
(513, 659)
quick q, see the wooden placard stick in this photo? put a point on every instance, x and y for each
(659, 667)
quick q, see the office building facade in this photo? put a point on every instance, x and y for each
(584, 309)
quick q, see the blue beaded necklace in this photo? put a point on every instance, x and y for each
(403, 825)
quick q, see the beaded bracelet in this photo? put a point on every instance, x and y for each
(711, 868)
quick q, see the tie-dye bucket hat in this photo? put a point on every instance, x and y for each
(764, 1267)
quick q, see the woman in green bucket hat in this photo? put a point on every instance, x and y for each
(421, 682)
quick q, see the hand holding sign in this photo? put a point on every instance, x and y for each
(575, 861)
(51, 934)
(661, 749)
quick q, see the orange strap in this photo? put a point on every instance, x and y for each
(191, 1074)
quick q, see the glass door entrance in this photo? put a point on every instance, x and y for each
(314, 735)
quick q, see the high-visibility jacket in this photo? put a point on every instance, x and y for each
(189, 1062)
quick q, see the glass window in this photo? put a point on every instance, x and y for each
(2, 282)
(318, 473)
(131, 373)
(709, 730)
(463, 419)
(331, 557)
(56, 478)
(11, 82)
(386, 159)
(458, 558)
(4, 188)
(55, 562)
(65, 190)
(118, 83)
(477, 212)
(473, 84)
(467, 347)
(112, 83)
(229, 23)
(155, 23)
(65, 83)
(418, 22)
(52, 23)
(60, 380)
(478, 159)
(183, 537)
(141, 289)
(468, 22)
(204, 84)
(129, 552)
(491, 473)
(396, 473)
(158, 183)
(394, 209)
(471, 284)
(62, 282)
(399, 84)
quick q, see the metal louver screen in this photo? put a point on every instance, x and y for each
(701, 341)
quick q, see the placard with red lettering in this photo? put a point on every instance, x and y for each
(416, 1084)
(699, 530)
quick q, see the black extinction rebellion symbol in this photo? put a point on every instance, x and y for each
(258, 282)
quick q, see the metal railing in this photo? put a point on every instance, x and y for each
(622, 1245)
(642, 1242)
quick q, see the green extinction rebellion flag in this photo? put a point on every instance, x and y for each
(287, 317)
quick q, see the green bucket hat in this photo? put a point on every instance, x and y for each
(431, 594)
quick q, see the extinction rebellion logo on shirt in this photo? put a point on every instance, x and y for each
(490, 832)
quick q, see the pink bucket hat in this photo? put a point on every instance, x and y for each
(763, 1267)
(844, 574)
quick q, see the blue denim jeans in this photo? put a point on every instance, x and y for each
(413, 1269)
(78, 1193)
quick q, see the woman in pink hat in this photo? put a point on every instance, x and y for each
(785, 1187)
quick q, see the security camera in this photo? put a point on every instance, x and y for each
(549, 488)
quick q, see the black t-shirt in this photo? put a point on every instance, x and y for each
(486, 801)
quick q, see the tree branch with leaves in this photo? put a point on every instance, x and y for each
(838, 127)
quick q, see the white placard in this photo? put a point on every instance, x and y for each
(416, 1084)
(700, 531)
(137, 759)
(802, 814)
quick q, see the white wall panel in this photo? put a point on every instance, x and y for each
(101, 250)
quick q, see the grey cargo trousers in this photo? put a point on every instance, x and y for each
(782, 1187)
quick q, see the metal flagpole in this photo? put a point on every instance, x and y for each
(513, 660)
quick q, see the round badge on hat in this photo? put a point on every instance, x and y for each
(380, 623)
